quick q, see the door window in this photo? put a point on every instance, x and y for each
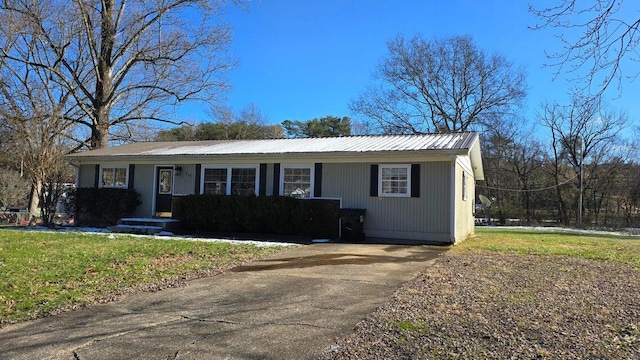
(166, 180)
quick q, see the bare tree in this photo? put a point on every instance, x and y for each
(608, 34)
(604, 180)
(227, 124)
(247, 123)
(526, 159)
(125, 61)
(14, 189)
(35, 112)
(500, 183)
(579, 132)
(446, 84)
(512, 159)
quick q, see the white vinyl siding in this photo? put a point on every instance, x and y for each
(463, 210)
(423, 218)
(145, 175)
(86, 176)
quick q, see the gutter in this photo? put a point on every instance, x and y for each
(418, 155)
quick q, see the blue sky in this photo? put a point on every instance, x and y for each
(304, 59)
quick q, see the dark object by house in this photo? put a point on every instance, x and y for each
(352, 224)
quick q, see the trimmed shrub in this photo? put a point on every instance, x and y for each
(256, 214)
(102, 206)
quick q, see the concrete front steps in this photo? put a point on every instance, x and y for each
(143, 226)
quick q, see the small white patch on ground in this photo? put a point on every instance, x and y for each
(150, 220)
(164, 235)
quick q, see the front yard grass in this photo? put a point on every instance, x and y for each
(45, 272)
(593, 246)
(512, 294)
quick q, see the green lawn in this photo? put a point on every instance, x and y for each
(41, 271)
(618, 249)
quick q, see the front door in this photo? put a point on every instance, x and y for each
(164, 189)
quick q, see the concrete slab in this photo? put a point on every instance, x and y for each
(289, 306)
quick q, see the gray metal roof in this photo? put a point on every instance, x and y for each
(336, 148)
(454, 142)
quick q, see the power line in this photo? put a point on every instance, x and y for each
(528, 190)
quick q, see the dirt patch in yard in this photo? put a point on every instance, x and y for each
(480, 304)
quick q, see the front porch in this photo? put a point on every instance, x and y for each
(144, 226)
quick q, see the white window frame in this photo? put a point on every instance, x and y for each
(311, 168)
(229, 169)
(394, 166)
(114, 167)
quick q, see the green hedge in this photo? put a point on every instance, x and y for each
(255, 214)
(102, 206)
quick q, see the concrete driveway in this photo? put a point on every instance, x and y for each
(289, 306)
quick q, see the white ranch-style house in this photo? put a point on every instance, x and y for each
(413, 187)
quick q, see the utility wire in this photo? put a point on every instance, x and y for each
(528, 190)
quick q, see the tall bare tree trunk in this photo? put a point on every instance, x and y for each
(101, 125)
(34, 201)
(139, 57)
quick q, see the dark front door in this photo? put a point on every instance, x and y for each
(164, 189)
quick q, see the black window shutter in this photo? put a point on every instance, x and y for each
(96, 179)
(317, 180)
(373, 180)
(276, 179)
(415, 180)
(198, 175)
(132, 174)
(262, 187)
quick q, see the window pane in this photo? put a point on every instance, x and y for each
(464, 186)
(243, 181)
(114, 177)
(297, 182)
(165, 182)
(121, 177)
(107, 177)
(215, 181)
(394, 180)
(394, 174)
(215, 175)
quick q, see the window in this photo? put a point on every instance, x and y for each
(394, 180)
(464, 186)
(166, 181)
(231, 180)
(296, 181)
(243, 181)
(215, 181)
(114, 177)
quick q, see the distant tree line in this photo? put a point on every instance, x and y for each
(577, 170)
(252, 125)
